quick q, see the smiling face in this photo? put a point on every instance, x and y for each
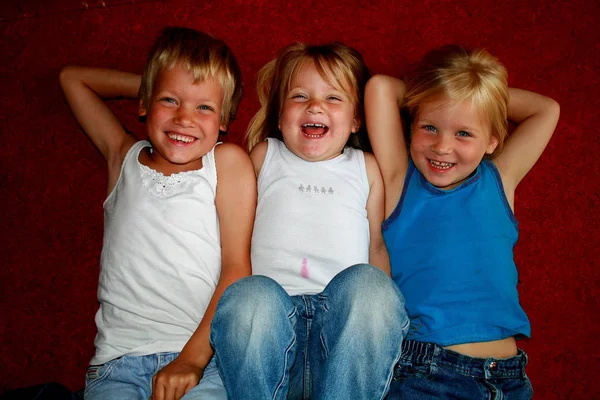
(316, 119)
(183, 121)
(448, 141)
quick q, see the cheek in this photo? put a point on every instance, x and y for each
(157, 115)
(418, 141)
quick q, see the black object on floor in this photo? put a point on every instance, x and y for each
(45, 391)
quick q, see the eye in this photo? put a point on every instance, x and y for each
(299, 96)
(429, 128)
(168, 100)
(204, 107)
(463, 134)
(334, 98)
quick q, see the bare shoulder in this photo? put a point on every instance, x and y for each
(258, 154)
(232, 162)
(230, 154)
(236, 185)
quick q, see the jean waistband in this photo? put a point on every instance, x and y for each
(487, 368)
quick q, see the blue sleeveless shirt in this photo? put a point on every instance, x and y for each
(451, 253)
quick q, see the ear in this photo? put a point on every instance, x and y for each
(355, 125)
(223, 128)
(493, 143)
(141, 109)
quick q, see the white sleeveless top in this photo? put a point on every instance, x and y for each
(311, 218)
(161, 258)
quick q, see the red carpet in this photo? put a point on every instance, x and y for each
(53, 180)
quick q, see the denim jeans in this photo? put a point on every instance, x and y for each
(130, 378)
(427, 371)
(342, 343)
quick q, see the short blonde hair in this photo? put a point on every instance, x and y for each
(340, 66)
(203, 55)
(457, 74)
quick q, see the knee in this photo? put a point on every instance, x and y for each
(251, 300)
(364, 282)
(368, 294)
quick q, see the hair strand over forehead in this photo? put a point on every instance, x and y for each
(204, 56)
(457, 74)
(340, 66)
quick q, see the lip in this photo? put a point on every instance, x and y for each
(439, 169)
(314, 125)
(180, 143)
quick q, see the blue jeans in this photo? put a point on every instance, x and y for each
(130, 378)
(427, 371)
(342, 343)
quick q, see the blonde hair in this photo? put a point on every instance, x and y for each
(204, 56)
(340, 66)
(458, 74)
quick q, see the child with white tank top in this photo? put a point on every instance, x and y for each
(315, 320)
(178, 217)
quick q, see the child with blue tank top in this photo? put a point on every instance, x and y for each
(450, 227)
(177, 220)
(315, 320)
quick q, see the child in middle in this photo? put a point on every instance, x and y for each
(315, 320)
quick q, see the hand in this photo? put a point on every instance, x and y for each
(175, 380)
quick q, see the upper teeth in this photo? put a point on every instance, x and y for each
(313, 126)
(440, 164)
(181, 138)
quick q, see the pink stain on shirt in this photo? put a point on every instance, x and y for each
(304, 271)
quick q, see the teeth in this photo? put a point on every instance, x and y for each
(313, 126)
(441, 165)
(181, 138)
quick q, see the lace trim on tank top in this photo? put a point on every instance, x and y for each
(165, 186)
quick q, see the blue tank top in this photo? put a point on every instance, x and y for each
(451, 253)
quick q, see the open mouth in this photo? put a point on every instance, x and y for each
(440, 165)
(181, 138)
(314, 131)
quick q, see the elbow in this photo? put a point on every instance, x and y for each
(377, 84)
(68, 75)
(65, 75)
(554, 108)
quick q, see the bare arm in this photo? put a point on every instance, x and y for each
(85, 90)
(378, 255)
(257, 155)
(383, 99)
(536, 117)
(236, 206)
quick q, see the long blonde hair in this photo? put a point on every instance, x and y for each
(339, 65)
(458, 74)
(203, 55)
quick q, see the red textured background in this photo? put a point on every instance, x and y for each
(53, 180)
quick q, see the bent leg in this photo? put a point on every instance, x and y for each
(253, 334)
(357, 336)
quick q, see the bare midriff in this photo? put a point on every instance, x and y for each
(504, 348)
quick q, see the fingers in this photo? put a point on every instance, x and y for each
(162, 389)
(178, 392)
(158, 391)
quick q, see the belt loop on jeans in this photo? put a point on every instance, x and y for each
(524, 361)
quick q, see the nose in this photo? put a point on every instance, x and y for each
(314, 107)
(183, 117)
(442, 144)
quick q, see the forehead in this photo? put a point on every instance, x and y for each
(309, 73)
(181, 80)
(456, 113)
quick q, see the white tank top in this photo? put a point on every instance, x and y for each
(161, 258)
(311, 218)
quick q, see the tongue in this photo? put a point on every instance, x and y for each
(313, 130)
